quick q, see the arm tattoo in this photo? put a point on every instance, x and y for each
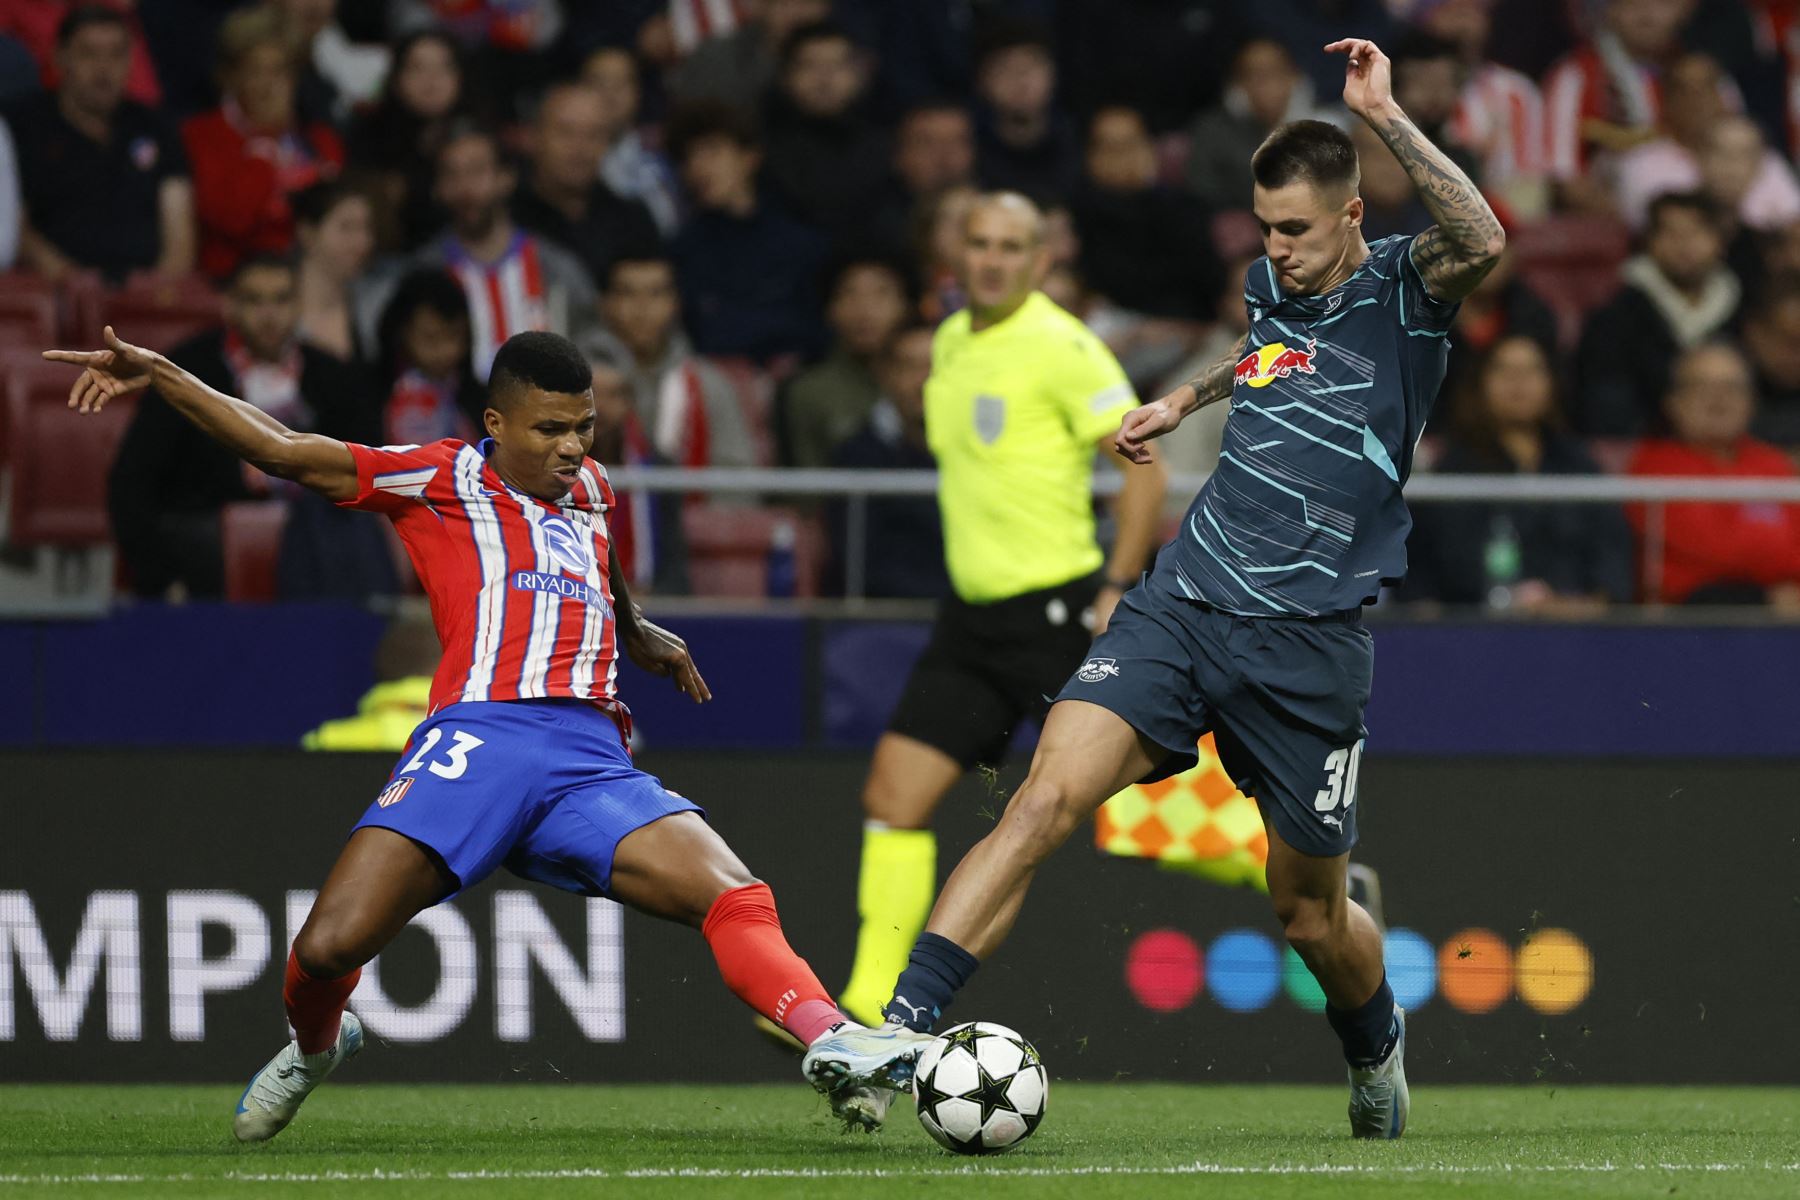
(1456, 253)
(1215, 383)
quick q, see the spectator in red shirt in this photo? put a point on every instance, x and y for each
(252, 152)
(1718, 553)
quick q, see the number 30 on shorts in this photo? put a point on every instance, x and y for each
(1341, 767)
(456, 757)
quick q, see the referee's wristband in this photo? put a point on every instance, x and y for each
(1124, 585)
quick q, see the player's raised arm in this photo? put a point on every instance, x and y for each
(1453, 255)
(320, 463)
(1147, 422)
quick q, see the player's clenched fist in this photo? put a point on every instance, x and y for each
(114, 371)
(1147, 422)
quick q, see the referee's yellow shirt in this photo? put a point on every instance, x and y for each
(1012, 414)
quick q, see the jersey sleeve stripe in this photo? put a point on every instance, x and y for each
(405, 483)
(490, 604)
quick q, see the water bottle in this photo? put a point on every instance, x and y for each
(1501, 561)
(782, 575)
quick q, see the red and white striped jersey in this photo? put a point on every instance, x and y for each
(1500, 116)
(506, 296)
(519, 588)
(1592, 84)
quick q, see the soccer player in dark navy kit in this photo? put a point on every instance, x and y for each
(1249, 624)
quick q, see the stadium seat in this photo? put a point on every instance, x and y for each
(27, 317)
(158, 314)
(57, 460)
(250, 535)
(728, 549)
(1572, 264)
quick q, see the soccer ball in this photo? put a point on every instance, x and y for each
(980, 1088)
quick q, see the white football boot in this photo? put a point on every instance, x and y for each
(1378, 1097)
(860, 1069)
(276, 1092)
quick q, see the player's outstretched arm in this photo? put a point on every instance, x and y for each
(650, 646)
(320, 463)
(1147, 422)
(1456, 253)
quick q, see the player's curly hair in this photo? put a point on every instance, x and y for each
(547, 361)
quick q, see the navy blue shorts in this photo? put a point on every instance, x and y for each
(544, 788)
(1284, 699)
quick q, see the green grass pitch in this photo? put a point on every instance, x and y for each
(1098, 1140)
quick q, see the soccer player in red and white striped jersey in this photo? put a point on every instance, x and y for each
(523, 759)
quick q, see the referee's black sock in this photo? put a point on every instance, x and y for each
(935, 972)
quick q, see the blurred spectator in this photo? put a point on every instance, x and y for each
(1391, 203)
(337, 75)
(738, 68)
(253, 152)
(1678, 293)
(1265, 89)
(1428, 82)
(335, 227)
(1024, 143)
(934, 149)
(645, 527)
(937, 245)
(1547, 559)
(1168, 61)
(1306, 26)
(903, 538)
(1772, 340)
(1194, 446)
(38, 26)
(688, 406)
(398, 141)
(826, 403)
(426, 366)
(1718, 553)
(826, 161)
(170, 480)
(1145, 246)
(1605, 96)
(105, 180)
(1754, 189)
(1500, 307)
(749, 274)
(631, 168)
(1706, 147)
(514, 280)
(1500, 112)
(564, 198)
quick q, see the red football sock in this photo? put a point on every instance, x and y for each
(761, 968)
(315, 1005)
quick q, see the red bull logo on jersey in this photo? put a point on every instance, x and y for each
(1266, 364)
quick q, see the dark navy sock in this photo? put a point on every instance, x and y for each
(1369, 1032)
(935, 972)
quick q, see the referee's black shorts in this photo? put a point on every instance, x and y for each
(989, 666)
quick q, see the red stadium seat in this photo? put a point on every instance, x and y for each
(158, 314)
(27, 318)
(250, 533)
(1572, 263)
(57, 460)
(728, 549)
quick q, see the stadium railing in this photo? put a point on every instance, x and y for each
(855, 488)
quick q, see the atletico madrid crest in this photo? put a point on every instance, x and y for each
(394, 792)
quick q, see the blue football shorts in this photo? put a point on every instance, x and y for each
(545, 788)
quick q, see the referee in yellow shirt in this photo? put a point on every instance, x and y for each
(1020, 397)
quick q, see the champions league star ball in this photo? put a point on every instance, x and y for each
(980, 1088)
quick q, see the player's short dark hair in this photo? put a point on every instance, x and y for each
(89, 16)
(546, 361)
(1696, 202)
(813, 31)
(1315, 152)
(260, 261)
(699, 120)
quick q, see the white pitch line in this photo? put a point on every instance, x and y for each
(965, 1171)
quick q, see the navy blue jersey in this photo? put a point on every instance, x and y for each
(1303, 515)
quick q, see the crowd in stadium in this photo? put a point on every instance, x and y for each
(747, 213)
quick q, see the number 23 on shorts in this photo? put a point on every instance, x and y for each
(456, 755)
(1341, 767)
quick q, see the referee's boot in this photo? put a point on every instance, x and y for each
(1378, 1097)
(275, 1093)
